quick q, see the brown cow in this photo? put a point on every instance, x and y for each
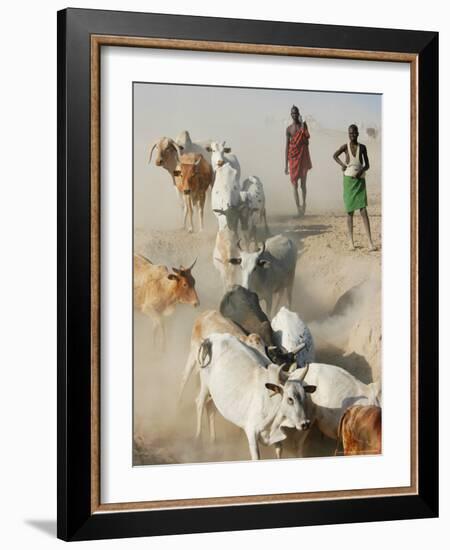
(193, 176)
(157, 291)
(210, 322)
(360, 430)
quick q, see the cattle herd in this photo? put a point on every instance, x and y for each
(256, 367)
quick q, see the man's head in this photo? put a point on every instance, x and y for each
(295, 113)
(353, 133)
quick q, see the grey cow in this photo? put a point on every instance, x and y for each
(270, 269)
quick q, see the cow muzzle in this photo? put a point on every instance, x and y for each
(220, 163)
(187, 191)
(305, 425)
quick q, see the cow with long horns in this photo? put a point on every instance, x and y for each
(167, 154)
(157, 291)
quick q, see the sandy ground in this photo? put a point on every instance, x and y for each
(336, 291)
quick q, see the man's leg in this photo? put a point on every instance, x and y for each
(351, 244)
(303, 186)
(366, 222)
(296, 197)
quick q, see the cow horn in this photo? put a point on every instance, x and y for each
(197, 162)
(305, 372)
(154, 144)
(194, 262)
(239, 245)
(176, 146)
(299, 348)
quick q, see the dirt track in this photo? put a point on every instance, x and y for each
(336, 291)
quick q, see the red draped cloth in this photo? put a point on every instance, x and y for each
(298, 155)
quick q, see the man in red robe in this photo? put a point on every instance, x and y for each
(298, 160)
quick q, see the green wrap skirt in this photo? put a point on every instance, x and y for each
(355, 195)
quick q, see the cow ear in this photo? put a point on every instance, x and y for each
(177, 172)
(264, 263)
(227, 150)
(274, 388)
(208, 148)
(235, 261)
(173, 277)
(310, 389)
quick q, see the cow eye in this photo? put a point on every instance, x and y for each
(290, 400)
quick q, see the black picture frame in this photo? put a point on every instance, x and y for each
(76, 521)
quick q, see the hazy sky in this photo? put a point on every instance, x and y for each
(253, 122)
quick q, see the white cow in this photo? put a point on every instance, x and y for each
(221, 155)
(337, 390)
(210, 322)
(253, 209)
(225, 197)
(290, 332)
(260, 399)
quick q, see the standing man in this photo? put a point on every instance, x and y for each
(355, 195)
(297, 156)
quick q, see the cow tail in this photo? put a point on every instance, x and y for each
(339, 437)
(204, 354)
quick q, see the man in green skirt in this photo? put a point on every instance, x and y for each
(355, 195)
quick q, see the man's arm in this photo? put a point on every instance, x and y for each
(288, 139)
(337, 154)
(366, 164)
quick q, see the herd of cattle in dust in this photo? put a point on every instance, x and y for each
(255, 366)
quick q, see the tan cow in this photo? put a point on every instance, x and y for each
(157, 291)
(360, 430)
(193, 176)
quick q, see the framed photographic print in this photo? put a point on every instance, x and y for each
(247, 255)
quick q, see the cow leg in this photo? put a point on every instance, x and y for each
(191, 214)
(252, 438)
(180, 199)
(289, 288)
(201, 208)
(266, 227)
(301, 442)
(210, 410)
(189, 367)
(186, 212)
(200, 402)
(278, 449)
